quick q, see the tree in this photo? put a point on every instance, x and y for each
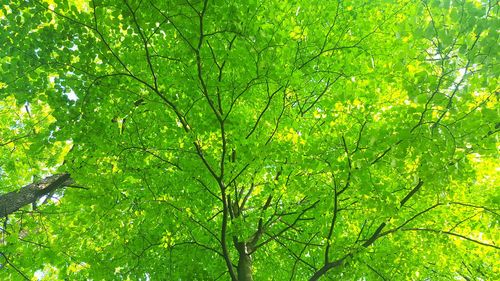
(264, 140)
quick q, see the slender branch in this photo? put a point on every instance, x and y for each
(376, 272)
(145, 42)
(13, 266)
(381, 155)
(14, 139)
(300, 259)
(488, 209)
(297, 219)
(208, 189)
(453, 234)
(64, 16)
(385, 152)
(412, 192)
(332, 223)
(269, 99)
(325, 89)
(205, 162)
(196, 243)
(182, 211)
(239, 174)
(410, 219)
(169, 19)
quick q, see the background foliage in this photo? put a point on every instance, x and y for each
(354, 140)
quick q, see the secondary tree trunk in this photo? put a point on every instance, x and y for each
(15, 200)
(244, 263)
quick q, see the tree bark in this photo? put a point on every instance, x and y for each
(244, 263)
(15, 200)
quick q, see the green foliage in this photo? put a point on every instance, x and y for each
(349, 140)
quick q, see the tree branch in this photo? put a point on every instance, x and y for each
(13, 201)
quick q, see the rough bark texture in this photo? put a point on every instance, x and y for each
(13, 201)
(244, 263)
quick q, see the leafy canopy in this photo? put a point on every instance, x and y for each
(266, 140)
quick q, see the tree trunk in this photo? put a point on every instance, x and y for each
(15, 200)
(244, 263)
